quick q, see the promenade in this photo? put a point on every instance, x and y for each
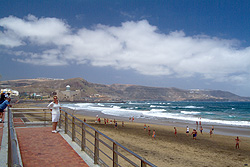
(39, 147)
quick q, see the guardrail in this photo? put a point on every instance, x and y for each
(13, 158)
(102, 149)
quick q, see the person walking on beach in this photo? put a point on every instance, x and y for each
(55, 107)
(201, 129)
(145, 127)
(148, 130)
(211, 132)
(175, 131)
(116, 125)
(237, 140)
(187, 130)
(194, 133)
(153, 136)
(5, 104)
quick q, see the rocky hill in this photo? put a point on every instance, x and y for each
(118, 92)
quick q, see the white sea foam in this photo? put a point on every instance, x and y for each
(158, 110)
(190, 112)
(153, 113)
(192, 107)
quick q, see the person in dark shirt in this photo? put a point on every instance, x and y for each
(5, 104)
(2, 97)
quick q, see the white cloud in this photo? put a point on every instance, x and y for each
(133, 45)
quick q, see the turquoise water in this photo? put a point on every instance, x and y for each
(227, 113)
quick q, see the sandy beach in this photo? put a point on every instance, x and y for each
(168, 150)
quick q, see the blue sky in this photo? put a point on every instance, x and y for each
(179, 43)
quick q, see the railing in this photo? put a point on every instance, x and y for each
(102, 149)
(13, 158)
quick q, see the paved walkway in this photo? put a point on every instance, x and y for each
(40, 147)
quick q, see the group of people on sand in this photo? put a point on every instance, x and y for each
(149, 131)
(4, 102)
(106, 121)
(194, 133)
(55, 107)
(131, 119)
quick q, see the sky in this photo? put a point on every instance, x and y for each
(161, 43)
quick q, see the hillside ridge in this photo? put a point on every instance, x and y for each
(118, 92)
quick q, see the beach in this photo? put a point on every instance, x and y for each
(168, 150)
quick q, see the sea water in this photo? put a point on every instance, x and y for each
(226, 113)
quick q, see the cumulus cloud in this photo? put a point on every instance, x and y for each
(133, 45)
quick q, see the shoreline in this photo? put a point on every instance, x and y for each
(219, 129)
(167, 149)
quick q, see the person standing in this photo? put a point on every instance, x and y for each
(194, 133)
(55, 107)
(175, 131)
(187, 130)
(148, 130)
(153, 136)
(3, 106)
(2, 99)
(237, 140)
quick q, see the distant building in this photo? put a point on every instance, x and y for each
(12, 92)
(69, 95)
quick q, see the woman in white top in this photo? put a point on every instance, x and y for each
(55, 108)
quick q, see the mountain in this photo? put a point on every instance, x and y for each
(116, 92)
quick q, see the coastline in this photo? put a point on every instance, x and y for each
(168, 150)
(219, 129)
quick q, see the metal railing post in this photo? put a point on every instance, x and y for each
(83, 144)
(115, 156)
(60, 120)
(73, 129)
(143, 164)
(96, 151)
(44, 118)
(66, 123)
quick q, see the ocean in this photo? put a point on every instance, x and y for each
(209, 113)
